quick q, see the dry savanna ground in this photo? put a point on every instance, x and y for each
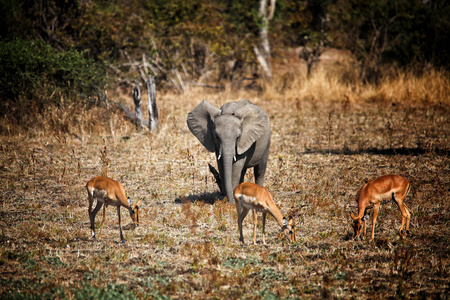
(328, 139)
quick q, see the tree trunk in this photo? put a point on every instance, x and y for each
(266, 11)
(152, 107)
(263, 62)
(125, 110)
(138, 105)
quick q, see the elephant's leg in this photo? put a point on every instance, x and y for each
(239, 170)
(242, 175)
(221, 176)
(260, 172)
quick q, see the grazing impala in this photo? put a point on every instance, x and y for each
(381, 191)
(109, 192)
(252, 196)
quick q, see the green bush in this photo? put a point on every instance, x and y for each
(35, 74)
(388, 32)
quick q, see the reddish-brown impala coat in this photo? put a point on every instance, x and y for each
(109, 192)
(252, 196)
(377, 192)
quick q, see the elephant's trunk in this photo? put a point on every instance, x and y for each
(227, 160)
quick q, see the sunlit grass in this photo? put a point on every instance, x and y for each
(328, 138)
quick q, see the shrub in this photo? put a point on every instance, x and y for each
(34, 75)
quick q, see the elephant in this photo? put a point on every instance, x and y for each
(239, 134)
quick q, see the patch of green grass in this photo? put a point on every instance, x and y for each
(111, 291)
(241, 262)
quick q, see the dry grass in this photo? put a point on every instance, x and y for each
(328, 139)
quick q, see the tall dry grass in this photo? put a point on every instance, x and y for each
(340, 82)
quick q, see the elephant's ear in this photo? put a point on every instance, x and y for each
(255, 123)
(200, 123)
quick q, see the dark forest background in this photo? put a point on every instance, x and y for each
(54, 49)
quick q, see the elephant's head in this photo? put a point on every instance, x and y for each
(229, 131)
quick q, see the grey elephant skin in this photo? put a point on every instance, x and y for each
(239, 134)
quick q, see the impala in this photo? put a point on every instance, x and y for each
(381, 191)
(109, 192)
(252, 196)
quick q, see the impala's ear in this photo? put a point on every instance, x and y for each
(291, 221)
(365, 218)
(130, 202)
(285, 221)
(201, 123)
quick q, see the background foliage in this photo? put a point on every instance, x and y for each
(33, 74)
(203, 41)
(405, 33)
(401, 31)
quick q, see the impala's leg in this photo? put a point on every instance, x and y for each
(364, 228)
(91, 201)
(241, 219)
(238, 209)
(264, 227)
(103, 221)
(137, 217)
(407, 209)
(408, 219)
(376, 208)
(364, 219)
(93, 214)
(292, 225)
(406, 216)
(255, 222)
(120, 225)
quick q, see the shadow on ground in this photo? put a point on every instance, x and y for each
(208, 198)
(376, 151)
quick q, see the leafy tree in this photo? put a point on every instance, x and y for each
(392, 31)
(195, 37)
